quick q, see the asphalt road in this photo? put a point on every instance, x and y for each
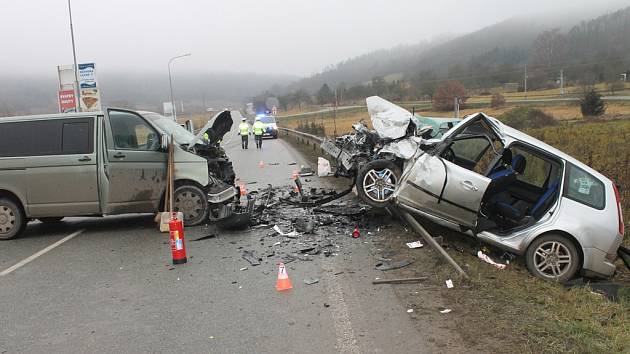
(112, 288)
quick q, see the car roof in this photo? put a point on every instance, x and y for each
(50, 115)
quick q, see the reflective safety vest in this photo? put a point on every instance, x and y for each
(258, 128)
(206, 136)
(243, 128)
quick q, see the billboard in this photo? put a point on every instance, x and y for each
(90, 100)
(89, 94)
(87, 75)
(167, 107)
(67, 101)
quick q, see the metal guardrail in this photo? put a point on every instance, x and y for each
(304, 138)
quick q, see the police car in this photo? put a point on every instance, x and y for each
(270, 128)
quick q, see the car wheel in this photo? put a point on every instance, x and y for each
(51, 220)
(377, 181)
(193, 203)
(553, 257)
(12, 219)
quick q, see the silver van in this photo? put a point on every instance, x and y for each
(106, 163)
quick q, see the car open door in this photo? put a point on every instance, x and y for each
(449, 181)
(135, 164)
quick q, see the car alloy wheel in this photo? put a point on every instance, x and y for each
(552, 259)
(379, 185)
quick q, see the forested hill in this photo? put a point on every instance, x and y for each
(594, 50)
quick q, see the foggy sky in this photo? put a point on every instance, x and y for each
(265, 36)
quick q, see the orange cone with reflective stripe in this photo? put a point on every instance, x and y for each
(243, 189)
(283, 282)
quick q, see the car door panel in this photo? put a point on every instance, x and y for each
(136, 173)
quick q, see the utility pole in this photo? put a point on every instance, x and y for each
(77, 89)
(335, 115)
(561, 81)
(525, 81)
(456, 106)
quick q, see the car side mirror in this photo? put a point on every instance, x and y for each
(164, 142)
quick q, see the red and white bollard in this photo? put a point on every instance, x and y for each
(178, 246)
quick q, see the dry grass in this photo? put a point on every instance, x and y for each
(344, 121)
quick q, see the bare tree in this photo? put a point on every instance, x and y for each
(549, 48)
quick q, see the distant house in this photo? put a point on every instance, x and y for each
(510, 87)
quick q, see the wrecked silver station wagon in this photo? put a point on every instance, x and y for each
(493, 182)
(375, 159)
(107, 163)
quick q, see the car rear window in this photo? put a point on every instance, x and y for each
(47, 137)
(583, 187)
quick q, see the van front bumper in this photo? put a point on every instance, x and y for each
(222, 196)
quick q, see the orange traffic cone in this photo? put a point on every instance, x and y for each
(283, 282)
(243, 190)
(261, 164)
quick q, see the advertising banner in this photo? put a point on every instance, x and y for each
(90, 100)
(87, 76)
(67, 101)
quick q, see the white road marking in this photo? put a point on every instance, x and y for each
(346, 339)
(40, 253)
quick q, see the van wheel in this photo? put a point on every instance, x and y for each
(12, 219)
(377, 181)
(51, 220)
(193, 203)
(553, 257)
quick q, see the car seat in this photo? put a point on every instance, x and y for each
(516, 212)
(505, 174)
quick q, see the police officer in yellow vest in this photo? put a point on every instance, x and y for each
(258, 132)
(243, 131)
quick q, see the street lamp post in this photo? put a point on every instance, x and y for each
(170, 82)
(77, 89)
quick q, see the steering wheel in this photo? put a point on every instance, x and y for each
(449, 155)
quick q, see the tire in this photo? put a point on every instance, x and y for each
(377, 181)
(51, 220)
(553, 257)
(192, 201)
(12, 219)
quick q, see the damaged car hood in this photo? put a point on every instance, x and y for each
(389, 120)
(216, 128)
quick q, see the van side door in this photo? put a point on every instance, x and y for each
(61, 167)
(135, 166)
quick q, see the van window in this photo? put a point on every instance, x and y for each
(15, 139)
(77, 138)
(583, 187)
(131, 132)
(47, 137)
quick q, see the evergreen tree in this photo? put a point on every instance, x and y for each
(592, 104)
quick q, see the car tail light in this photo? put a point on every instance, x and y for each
(618, 197)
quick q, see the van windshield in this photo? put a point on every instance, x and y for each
(168, 126)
